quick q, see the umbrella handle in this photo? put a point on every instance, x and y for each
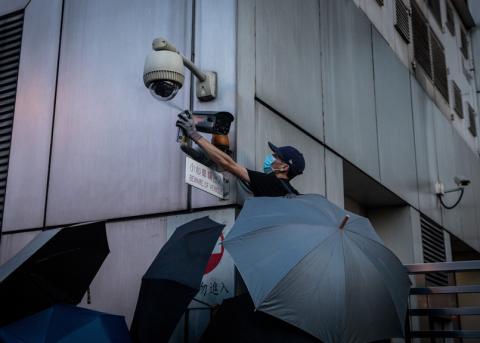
(344, 221)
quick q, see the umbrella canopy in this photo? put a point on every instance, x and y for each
(236, 321)
(173, 279)
(67, 323)
(57, 266)
(338, 284)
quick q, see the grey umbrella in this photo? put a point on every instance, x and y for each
(321, 268)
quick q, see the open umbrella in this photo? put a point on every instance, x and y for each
(173, 279)
(319, 267)
(67, 323)
(57, 266)
(236, 321)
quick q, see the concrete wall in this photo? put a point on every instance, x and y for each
(113, 151)
(383, 19)
(376, 114)
(347, 91)
(399, 228)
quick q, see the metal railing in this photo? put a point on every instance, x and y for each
(443, 312)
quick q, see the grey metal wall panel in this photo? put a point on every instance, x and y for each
(216, 22)
(396, 226)
(395, 123)
(271, 127)
(245, 116)
(334, 178)
(133, 246)
(7, 6)
(424, 111)
(28, 166)
(288, 59)
(11, 244)
(114, 151)
(350, 123)
(476, 190)
(446, 171)
(464, 159)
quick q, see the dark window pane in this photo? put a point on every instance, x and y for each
(421, 46)
(472, 124)
(457, 98)
(439, 66)
(464, 47)
(403, 21)
(435, 8)
(450, 21)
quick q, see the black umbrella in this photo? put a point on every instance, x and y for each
(237, 321)
(173, 279)
(57, 266)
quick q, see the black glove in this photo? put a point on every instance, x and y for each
(187, 124)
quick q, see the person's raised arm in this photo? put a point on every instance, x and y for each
(219, 157)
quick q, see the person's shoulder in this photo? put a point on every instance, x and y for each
(253, 174)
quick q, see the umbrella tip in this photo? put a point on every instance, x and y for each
(344, 221)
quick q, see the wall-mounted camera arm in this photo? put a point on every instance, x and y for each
(201, 76)
(164, 76)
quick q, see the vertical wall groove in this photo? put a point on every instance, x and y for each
(53, 116)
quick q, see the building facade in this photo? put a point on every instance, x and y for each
(382, 97)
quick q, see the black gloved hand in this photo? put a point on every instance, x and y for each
(187, 124)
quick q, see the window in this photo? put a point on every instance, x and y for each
(403, 22)
(435, 8)
(472, 121)
(464, 41)
(421, 46)
(457, 98)
(450, 20)
(429, 52)
(439, 66)
(11, 27)
(380, 2)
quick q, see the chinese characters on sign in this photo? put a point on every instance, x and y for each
(215, 288)
(204, 178)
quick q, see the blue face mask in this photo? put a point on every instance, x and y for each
(267, 164)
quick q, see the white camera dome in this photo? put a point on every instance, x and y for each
(163, 73)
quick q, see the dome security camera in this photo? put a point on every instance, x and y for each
(461, 181)
(164, 75)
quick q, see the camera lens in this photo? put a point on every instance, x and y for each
(164, 89)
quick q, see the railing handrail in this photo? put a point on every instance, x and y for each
(457, 266)
(445, 290)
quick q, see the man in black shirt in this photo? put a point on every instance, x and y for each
(280, 167)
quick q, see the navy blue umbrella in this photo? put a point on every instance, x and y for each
(67, 323)
(173, 279)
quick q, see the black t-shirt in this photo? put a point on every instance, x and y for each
(268, 185)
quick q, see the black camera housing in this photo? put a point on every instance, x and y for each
(213, 122)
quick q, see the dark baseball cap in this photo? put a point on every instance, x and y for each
(290, 156)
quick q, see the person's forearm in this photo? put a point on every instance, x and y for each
(218, 156)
